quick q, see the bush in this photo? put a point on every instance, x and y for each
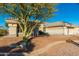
(3, 32)
(43, 33)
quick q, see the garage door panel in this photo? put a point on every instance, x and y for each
(55, 31)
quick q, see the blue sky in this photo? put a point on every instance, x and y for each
(68, 12)
(3, 19)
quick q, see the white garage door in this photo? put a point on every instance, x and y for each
(55, 31)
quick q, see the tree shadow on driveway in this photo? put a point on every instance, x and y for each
(12, 50)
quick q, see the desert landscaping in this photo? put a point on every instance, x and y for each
(54, 45)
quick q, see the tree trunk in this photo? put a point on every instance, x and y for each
(26, 43)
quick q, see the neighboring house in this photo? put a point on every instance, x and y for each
(62, 28)
(55, 28)
(1, 27)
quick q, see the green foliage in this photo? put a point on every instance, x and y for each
(24, 11)
(6, 24)
(40, 11)
(3, 32)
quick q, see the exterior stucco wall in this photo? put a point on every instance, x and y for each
(76, 31)
(66, 30)
(71, 31)
(12, 29)
(41, 28)
(62, 31)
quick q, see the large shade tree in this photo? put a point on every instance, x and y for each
(24, 12)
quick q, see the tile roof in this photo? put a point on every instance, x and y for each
(61, 23)
(11, 21)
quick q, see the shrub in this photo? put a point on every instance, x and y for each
(43, 33)
(3, 32)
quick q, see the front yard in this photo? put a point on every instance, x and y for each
(45, 45)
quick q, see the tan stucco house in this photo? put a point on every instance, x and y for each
(12, 27)
(55, 28)
(62, 28)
